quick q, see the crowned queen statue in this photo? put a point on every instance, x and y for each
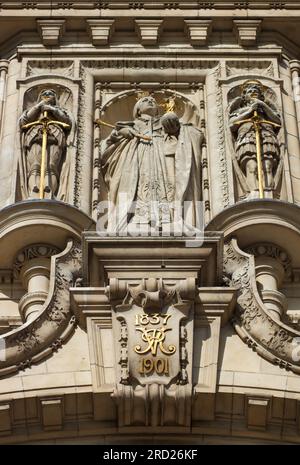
(154, 162)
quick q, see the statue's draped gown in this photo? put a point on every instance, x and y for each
(163, 170)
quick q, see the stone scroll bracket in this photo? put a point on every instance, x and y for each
(52, 325)
(40, 241)
(260, 317)
(257, 325)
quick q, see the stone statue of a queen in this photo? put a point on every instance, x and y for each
(151, 166)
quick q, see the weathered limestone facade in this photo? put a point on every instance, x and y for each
(115, 339)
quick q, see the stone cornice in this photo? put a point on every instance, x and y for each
(260, 417)
(98, 37)
(147, 8)
(149, 5)
(112, 53)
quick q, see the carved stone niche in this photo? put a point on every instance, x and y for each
(59, 177)
(253, 178)
(153, 332)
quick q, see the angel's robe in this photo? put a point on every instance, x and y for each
(153, 177)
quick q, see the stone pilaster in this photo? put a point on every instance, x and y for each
(3, 76)
(295, 70)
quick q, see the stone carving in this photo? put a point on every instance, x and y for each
(61, 67)
(123, 352)
(269, 337)
(154, 162)
(153, 354)
(255, 122)
(265, 68)
(27, 341)
(52, 326)
(273, 251)
(221, 138)
(31, 252)
(153, 405)
(80, 142)
(57, 165)
(138, 64)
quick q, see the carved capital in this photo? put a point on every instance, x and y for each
(40, 251)
(295, 66)
(100, 30)
(148, 30)
(247, 30)
(198, 30)
(266, 249)
(51, 30)
(4, 65)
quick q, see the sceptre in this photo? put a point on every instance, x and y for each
(99, 122)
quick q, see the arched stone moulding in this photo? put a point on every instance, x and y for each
(59, 225)
(188, 111)
(268, 220)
